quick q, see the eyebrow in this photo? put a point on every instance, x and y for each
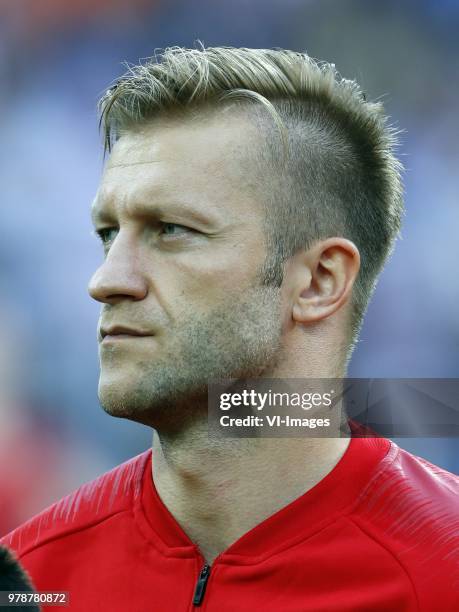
(99, 214)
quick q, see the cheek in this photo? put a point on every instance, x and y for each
(212, 274)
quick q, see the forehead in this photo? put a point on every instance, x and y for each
(206, 159)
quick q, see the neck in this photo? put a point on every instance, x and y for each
(205, 482)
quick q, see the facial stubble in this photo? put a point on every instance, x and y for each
(241, 338)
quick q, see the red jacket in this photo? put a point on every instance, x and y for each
(379, 533)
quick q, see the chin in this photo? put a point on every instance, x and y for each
(128, 395)
(137, 399)
(117, 396)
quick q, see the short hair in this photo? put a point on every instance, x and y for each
(13, 577)
(332, 152)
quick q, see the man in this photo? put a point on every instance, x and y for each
(248, 204)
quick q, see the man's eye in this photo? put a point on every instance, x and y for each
(174, 229)
(106, 234)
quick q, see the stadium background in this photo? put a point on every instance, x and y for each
(55, 59)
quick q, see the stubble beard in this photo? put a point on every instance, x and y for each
(239, 339)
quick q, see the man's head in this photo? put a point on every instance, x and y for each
(244, 190)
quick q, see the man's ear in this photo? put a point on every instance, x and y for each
(323, 278)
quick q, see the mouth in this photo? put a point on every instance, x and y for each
(119, 332)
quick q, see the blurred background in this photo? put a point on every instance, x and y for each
(56, 58)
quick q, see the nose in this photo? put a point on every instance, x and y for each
(119, 277)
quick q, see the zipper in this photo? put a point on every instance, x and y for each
(201, 584)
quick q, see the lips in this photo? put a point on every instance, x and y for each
(122, 330)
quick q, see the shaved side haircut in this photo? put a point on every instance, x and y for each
(324, 164)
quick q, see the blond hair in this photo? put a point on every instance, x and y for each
(331, 153)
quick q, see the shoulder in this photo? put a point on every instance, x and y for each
(411, 508)
(406, 485)
(92, 503)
